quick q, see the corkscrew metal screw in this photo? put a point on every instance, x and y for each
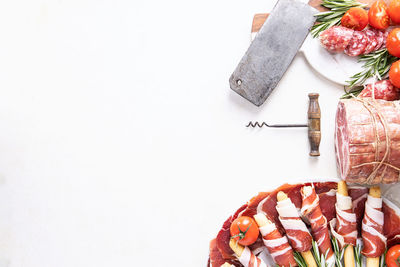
(314, 124)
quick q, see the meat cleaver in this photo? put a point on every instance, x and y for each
(272, 51)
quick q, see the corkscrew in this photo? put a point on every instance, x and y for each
(314, 124)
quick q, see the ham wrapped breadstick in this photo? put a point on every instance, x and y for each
(344, 227)
(296, 231)
(277, 245)
(245, 256)
(319, 225)
(372, 228)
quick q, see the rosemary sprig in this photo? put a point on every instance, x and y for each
(299, 259)
(375, 64)
(353, 92)
(357, 255)
(331, 18)
(338, 252)
(319, 259)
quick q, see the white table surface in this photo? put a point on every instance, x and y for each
(121, 143)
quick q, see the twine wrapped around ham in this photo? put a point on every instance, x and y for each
(367, 140)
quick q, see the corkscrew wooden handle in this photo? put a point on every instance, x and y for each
(314, 124)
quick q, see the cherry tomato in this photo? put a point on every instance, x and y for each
(393, 42)
(394, 74)
(378, 16)
(355, 18)
(393, 256)
(245, 230)
(394, 11)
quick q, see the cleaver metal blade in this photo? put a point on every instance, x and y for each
(272, 51)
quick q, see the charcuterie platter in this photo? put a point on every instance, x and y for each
(310, 224)
(353, 221)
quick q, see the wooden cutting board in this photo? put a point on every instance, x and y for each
(259, 19)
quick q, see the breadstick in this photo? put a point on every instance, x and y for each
(307, 255)
(349, 251)
(374, 192)
(236, 247)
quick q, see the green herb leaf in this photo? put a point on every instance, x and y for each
(375, 64)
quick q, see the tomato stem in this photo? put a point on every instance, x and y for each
(241, 233)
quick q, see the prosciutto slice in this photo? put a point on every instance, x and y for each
(319, 225)
(344, 227)
(296, 231)
(324, 190)
(372, 228)
(224, 236)
(248, 259)
(391, 225)
(216, 259)
(277, 245)
(358, 195)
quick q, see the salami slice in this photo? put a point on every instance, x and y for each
(336, 38)
(357, 44)
(380, 38)
(385, 35)
(372, 41)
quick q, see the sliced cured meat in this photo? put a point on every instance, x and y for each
(372, 41)
(367, 140)
(391, 228)
(252, 205)
(296, 231)
(216, 259)
(358, 195)
(380, 38)
(248, 259)
(357, 45)
(327, 202)
(372, 228)
(276, 244)
(385, 35)
(319, 225)
(381, 90)
(224, 235)
(344, 227)
(268, 205)
(336, 38)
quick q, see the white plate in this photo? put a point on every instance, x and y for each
(336, 67)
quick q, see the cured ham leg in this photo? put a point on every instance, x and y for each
(319, 225)
(344, 227)
(372, 228)
(296, 230)
(277, 245)
(245, 256)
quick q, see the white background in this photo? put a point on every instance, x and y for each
(121, 143)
